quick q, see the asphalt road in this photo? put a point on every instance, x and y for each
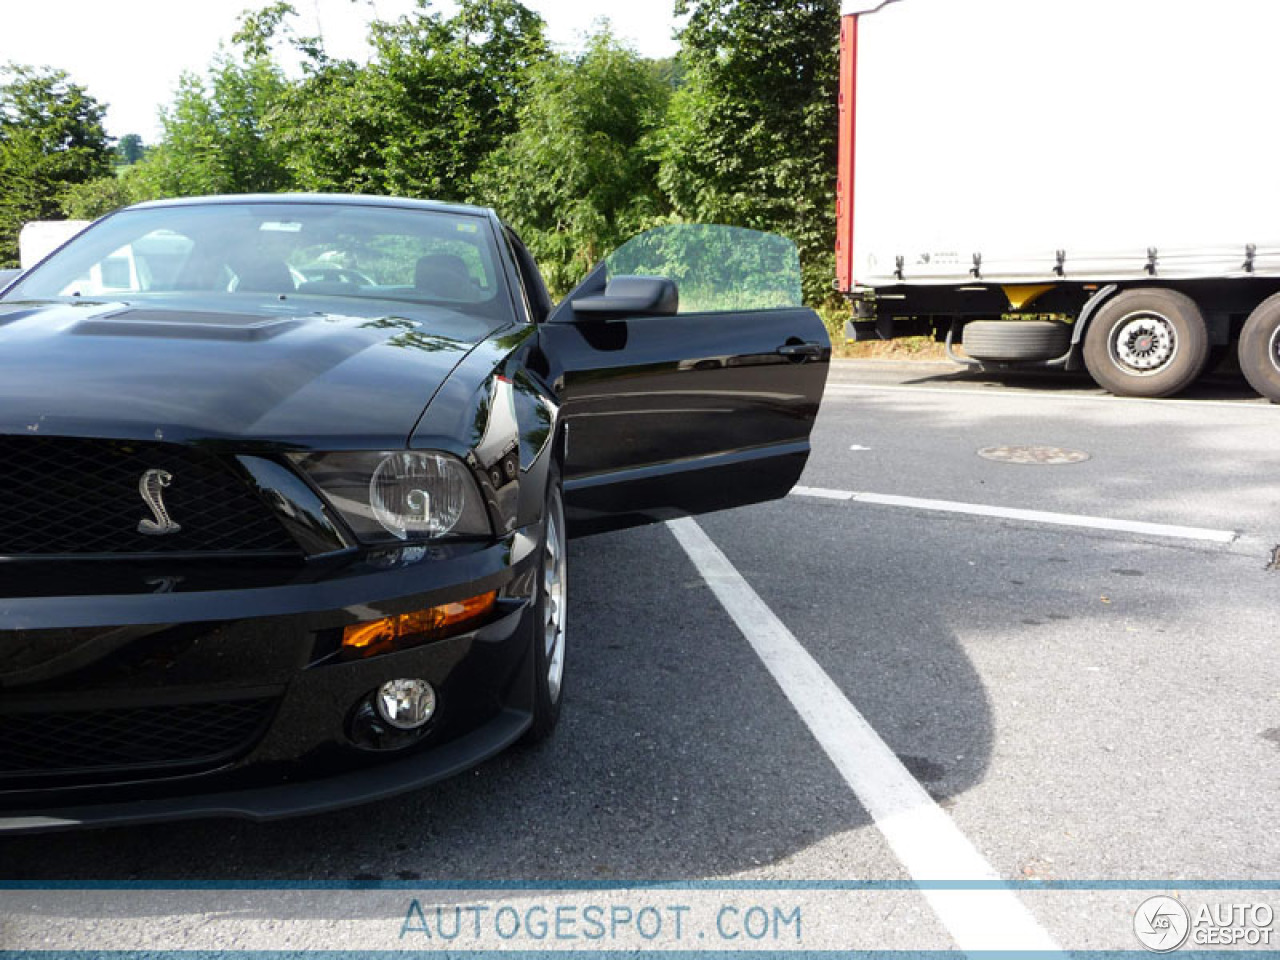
(1083, 703)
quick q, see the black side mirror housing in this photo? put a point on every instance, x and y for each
(633, 297)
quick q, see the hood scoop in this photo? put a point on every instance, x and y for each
(184, 325)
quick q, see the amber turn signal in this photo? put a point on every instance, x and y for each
(407, 629)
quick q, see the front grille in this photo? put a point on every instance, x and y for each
(87, 741)
(61, 496)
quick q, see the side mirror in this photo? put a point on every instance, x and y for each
(633, 297)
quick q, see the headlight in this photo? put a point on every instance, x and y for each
(400, 495)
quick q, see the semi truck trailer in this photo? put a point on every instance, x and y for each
(1074, 184)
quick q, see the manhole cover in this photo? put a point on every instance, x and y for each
(1040, 456)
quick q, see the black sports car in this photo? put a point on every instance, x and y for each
(276, 538)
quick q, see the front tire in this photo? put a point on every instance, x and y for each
(1260, 348)
(549, 619)
(1149, 342)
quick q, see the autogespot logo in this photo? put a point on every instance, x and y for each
(1161, 924)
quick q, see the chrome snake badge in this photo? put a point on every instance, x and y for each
(151, 487)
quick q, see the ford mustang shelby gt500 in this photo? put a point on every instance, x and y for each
(285, 484)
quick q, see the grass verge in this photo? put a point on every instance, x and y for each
(919, 349)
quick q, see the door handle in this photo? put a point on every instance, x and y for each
(794, 350)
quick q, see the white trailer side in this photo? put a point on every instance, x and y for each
(1012, 129)
(1014, 145)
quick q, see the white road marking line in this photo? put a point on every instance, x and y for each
(1028, 516)
(920, 833)
(858, 446)
(837, 388)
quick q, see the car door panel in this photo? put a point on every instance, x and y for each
(670, 413)
(670, 416)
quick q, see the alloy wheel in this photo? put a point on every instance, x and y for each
(553, 585)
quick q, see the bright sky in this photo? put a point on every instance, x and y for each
(129, 53)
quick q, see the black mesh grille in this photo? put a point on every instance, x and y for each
(92, 740)
(72, 496)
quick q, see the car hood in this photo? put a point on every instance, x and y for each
(355, 374)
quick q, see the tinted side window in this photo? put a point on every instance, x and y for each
(717, 269)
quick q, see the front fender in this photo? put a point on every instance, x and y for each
(503, 422)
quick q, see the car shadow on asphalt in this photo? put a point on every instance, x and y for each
(678, 758)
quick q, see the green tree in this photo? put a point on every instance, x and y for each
(216, 135)
(439, 94)
(97, 198)
(669, 70)
(751, 135)
(51, 138)
(579, 175)
(130, 149)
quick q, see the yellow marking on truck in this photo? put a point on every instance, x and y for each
(1021, 294)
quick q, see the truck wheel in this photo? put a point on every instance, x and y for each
(1016, 339)
(1147, 343)
(1260, 348)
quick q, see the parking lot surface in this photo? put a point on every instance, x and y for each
(1079, 702)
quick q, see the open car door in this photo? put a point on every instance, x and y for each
(690, 376)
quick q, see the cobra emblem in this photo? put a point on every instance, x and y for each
(151, 488)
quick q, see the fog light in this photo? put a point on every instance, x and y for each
(405, 704)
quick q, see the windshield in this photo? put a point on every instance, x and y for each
(281, 249)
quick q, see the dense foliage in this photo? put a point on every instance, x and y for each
(578, 151)
(751, 136)
(579, 175)
(51, 139)
(438, 96)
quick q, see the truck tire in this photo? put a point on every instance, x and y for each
(1148, 342)
(1260, 348)
(1005, 340)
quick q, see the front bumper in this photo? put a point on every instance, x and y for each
(264, 644)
